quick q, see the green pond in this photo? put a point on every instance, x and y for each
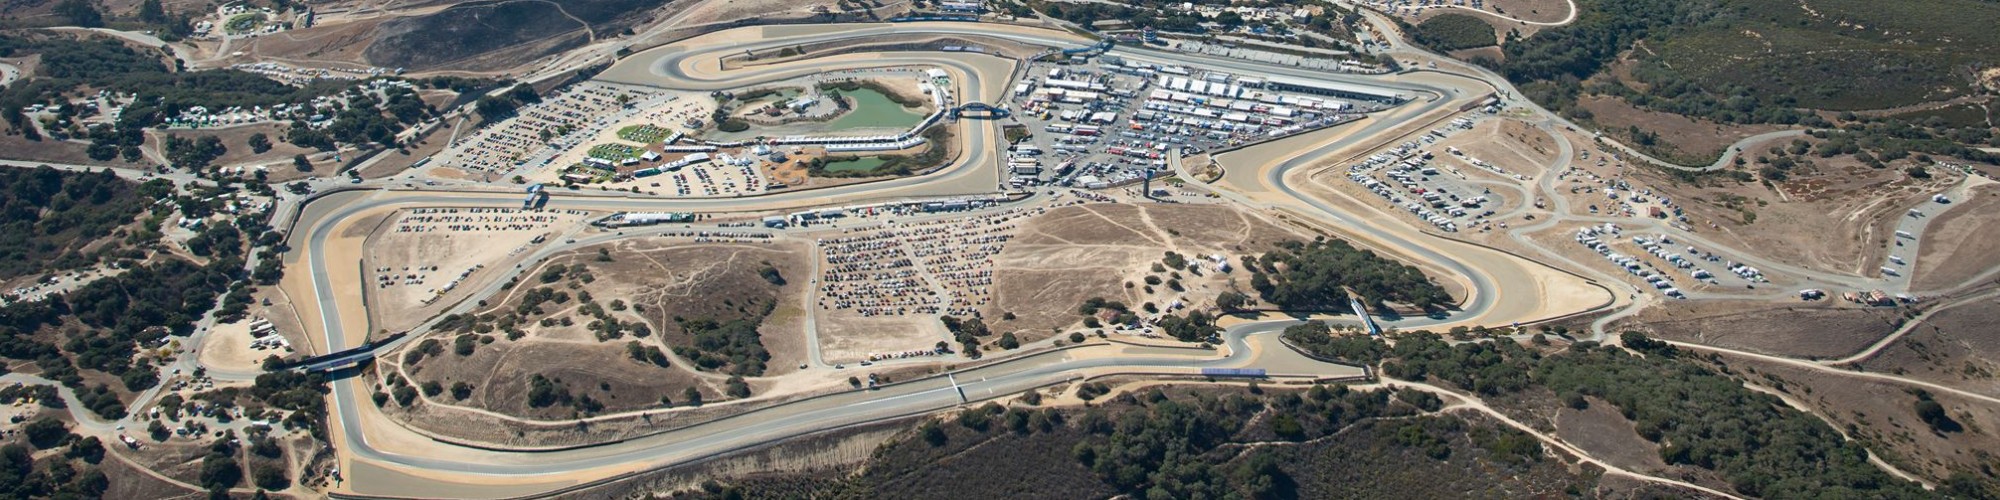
(862, 164)
(872, 109)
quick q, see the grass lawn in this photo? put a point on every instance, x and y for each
(613, 152)
(244, 23)
(644, 134)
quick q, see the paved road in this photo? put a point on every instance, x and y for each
(130, 36)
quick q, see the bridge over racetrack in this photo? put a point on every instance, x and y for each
(347, 358)
(979, 110)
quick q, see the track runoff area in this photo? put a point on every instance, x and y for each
(1314, 120)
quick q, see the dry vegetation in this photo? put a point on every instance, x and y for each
(1074, 253)
(1805, 330)
(616, 330)
(338, 44)
(1832, 215)
(1690, 141)
(1957, 347)
(1386, 448)
(1962, 243)
(1884, 416)
(406, 243)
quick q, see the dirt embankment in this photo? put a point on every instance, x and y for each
(1683, 140)
(1072, 254)
(1962, 243)
(1793, 330)
(1607, 435)
(1834, 215)
(1957, 347)
(637, 325)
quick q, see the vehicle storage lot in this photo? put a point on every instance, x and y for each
(1108, 122)
(419, 257)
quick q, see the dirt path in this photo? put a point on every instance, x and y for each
(1872, 457)
(1908, 326)
(1827, 369)
(1469, 403)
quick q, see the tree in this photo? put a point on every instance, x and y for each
(89, 449)
(493, 109)
(1934, 414)
(194, 154)
(270, 477)
(220, 471)
(150, 11)
(405, 395)
(300, 162)
(267, 448)
(692, 396)
(1315, 276)
(1639, 342)
(259, 143)
(933, 434)
(1231, 301)
(45, 432)
(80, 13)
(1229, 19)
(1287, 428)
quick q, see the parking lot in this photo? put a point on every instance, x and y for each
(1410, 177)
(1108, 123)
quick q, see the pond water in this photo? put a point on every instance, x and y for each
(863, 163)
(872, 109)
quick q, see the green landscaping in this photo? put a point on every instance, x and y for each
(613, 152)
(1449, 32)
(644, 134)
(244, 23)
(871, 87)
